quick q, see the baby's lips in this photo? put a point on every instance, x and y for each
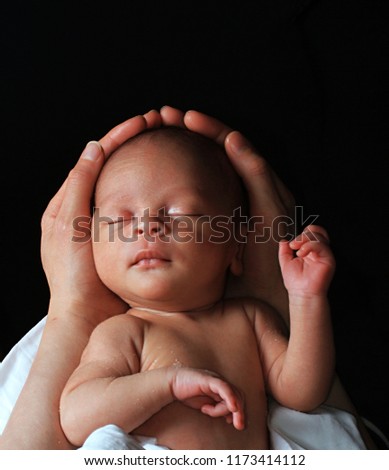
(146, 256)
(151, 262)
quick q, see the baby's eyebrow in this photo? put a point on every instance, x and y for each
(112, 198)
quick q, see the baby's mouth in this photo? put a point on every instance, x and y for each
(150, 259)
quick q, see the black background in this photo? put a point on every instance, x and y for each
(306, 81)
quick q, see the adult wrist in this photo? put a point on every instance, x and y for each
(83, 311)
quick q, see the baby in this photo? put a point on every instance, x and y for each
(186, 365)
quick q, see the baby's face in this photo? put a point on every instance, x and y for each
(156, 241)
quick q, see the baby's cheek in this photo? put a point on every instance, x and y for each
(108, 254)
(220, 230)
(182, 229)
(101, 232)
(205, 229)
(100, 256)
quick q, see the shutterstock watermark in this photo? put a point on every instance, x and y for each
(185, 228)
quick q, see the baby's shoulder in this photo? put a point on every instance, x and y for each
(245, 302)
(249, 306)
(117, 326)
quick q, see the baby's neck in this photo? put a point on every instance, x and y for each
(165, 312)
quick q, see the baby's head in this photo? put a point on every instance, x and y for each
(164, 237)
(183, 151)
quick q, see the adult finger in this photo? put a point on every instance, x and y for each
(107, 145)
(53, 208)
(80, 183)
(253, 169)
(172, 116)
(153, 119)
(236, 145)
(119, 134)
(206, 125)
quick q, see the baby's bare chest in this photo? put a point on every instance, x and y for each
(226, 345)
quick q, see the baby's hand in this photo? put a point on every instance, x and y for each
(206, 391)
(307, 263)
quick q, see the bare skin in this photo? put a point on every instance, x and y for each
(167, 367)
(78, 301)
(76, 308)
(164, 387)
(182, 365)
(272, 199)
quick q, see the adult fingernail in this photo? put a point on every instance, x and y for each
(92, 151)
(238, 143)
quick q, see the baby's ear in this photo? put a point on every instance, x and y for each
(240, 239)
(236, 266)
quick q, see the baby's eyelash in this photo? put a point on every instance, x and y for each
(169, 218)
(186, 214)
(118, 220)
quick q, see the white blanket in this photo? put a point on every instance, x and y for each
(324, 428)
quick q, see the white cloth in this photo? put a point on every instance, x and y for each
(324, 428)
(15, 368)
(111, 437)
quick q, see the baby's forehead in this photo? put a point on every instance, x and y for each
(178, 141)
(181, 151)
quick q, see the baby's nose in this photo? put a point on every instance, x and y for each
(149, 226)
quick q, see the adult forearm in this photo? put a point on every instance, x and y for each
(34, 422)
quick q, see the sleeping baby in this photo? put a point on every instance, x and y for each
(185, 365)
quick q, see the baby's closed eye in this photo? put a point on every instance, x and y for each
(111, 217)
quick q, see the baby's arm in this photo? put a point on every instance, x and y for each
(108, 387)
(300, 373)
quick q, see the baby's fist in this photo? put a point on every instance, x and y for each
(307, 262)
(209, 393)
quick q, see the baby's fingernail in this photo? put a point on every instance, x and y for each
(92, 151)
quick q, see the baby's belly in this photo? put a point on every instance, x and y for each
(203, 345)
(180, 427)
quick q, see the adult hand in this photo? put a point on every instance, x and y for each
(270, 199)
(66, 256)
(271, 208)
(79, 301)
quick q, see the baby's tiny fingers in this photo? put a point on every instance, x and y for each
(238, 420)
(220, 409)
(316, 232)
(314, 250)
(227, 395)
(215, 410)
(229, 419)
(285, 252)
(312, 233)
